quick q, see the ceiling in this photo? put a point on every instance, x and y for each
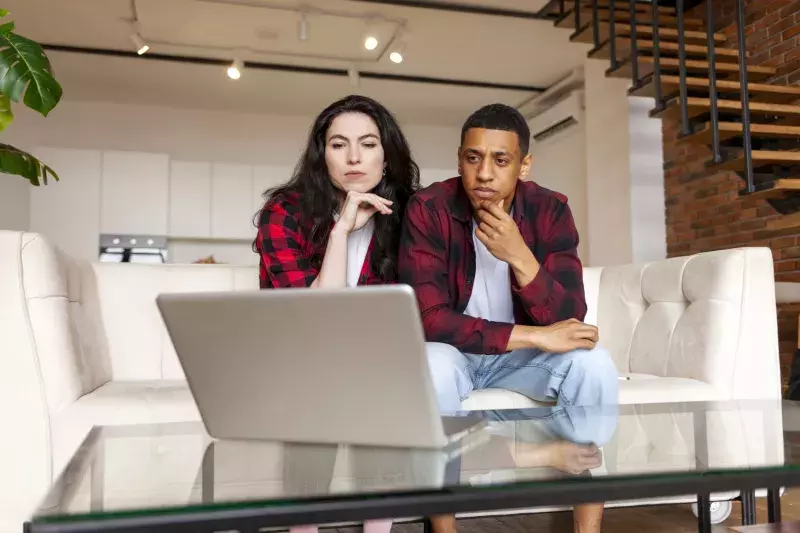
(439, 44)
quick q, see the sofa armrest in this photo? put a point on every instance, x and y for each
(41, 365)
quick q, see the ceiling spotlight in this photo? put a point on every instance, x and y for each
(396, 56)
(141, 46)
(370, 42)
(235, 70)
(302, 28)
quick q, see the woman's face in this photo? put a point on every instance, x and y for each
(353, 152)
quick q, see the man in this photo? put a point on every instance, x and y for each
(493, 260)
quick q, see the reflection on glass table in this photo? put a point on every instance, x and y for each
(535, 459)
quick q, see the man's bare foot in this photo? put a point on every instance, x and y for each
(444, 524)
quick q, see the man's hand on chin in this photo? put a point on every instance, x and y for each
(500, 234)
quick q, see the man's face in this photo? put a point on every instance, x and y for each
(490, 165)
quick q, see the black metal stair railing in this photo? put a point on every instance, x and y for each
(687, 126)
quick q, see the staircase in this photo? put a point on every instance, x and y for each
(752, 127)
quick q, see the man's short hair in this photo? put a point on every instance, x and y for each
(500, 117)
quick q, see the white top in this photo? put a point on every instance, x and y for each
(491, 291)
(357, 246)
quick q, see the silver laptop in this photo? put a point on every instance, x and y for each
(319, 366)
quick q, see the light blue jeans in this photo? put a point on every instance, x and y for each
(580, 378)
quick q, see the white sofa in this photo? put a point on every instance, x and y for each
(82, 344)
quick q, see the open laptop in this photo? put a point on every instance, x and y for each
(319, 366)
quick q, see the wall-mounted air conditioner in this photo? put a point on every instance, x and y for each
(560, 117)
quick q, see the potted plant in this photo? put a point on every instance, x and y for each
(26, 74)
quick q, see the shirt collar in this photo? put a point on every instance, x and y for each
(461, 209)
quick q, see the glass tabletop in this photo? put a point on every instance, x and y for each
(178, 468)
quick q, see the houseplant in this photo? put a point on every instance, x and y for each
(25, 73)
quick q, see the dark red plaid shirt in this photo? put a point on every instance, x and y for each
(437, 258)
(286, 255)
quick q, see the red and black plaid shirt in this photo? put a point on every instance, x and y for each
(437, 258)
(287, 257)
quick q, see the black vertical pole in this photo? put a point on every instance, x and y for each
(577, 16)
(745, 96)
(685, 129)
(774, 505)
(703, 513)
(748, 498)
(612, 35)
(712, 81)
(635, 46)
(561, 8)
(596, 23)
(657, 58)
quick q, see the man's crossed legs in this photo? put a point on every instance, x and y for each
(580, 378)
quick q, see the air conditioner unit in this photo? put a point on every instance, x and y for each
(561, 116)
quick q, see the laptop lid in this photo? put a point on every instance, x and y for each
(337, 366)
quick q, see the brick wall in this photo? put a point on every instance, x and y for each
(704, 211)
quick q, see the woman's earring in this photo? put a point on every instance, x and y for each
(384, 172)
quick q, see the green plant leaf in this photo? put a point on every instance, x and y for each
(3, 12)
(24, 68)
(6, 115)
(8, 27)
(15, 161)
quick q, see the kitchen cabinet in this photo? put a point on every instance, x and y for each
(134, 193)
(232, 201)
(190, 199)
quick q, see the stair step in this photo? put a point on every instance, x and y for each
(667, 49)
(759, 92)
(779, 188)
(788, 222)
(621, 5)
(761, 158)
(586, 34)
(672, 64)
(664, 21)
(698, 106)
(729, 130)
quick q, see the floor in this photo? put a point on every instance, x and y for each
(658, 519)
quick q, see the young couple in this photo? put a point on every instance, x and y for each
(493, 258)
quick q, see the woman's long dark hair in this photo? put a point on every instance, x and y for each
(320, 199)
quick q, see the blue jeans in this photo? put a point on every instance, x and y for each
(579, 378)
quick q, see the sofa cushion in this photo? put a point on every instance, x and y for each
(120, 403)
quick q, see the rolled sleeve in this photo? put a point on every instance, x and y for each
(557, 292)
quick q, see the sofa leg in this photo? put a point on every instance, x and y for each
(774, 505)
(703, 513)
(748, 507)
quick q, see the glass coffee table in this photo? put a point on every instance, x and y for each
(174, 477)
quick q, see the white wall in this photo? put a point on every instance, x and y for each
(608, 170)
(648, 218)
(183, 135)
(14, 198)
(559, 163)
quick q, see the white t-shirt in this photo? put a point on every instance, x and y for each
(491, 290)
(357, 246)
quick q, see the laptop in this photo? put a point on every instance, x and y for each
(339, 366)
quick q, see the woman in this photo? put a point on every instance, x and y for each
(337, 222)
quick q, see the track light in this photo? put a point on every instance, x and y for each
(370, 42)
(396, 56)
(302, 28)
(141, 46)
(235, 70)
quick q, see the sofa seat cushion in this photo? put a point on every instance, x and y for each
(638, 388)
(120, 403)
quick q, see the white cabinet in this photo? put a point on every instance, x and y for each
(232, 202)
(135, 193)
(67, 212)
(190, 199)
(266, 177)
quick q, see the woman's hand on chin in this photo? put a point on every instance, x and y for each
(358, 208)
